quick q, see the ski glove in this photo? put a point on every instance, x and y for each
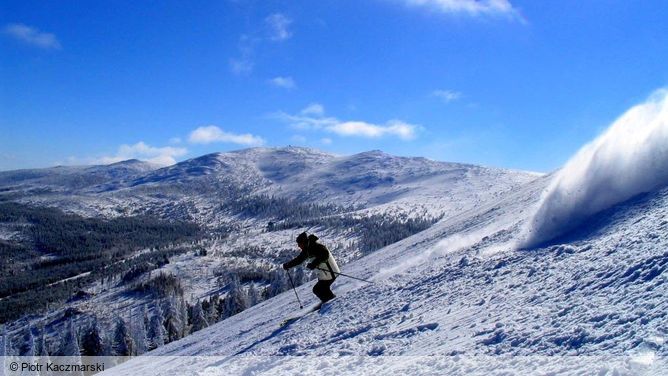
(285, 266)
(311, 265)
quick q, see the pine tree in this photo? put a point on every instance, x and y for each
(139, 332)
(42, 351)
(183, 311)
(122, 345)
(69, 345)
(211, 311)
(174, 323)
(254, 296)
(27, 347)
(199, 322)
(237, 298)
(220, 309)
(42, 348)
(278, 283)
(156, 331)
(91, 341)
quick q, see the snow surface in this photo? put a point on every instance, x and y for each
(458, 298)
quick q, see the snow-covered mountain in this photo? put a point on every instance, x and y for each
(366, 180)
(572, 263)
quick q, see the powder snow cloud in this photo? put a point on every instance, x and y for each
(630, 158)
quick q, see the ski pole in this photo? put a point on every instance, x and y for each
(295, 290)
(345, 275)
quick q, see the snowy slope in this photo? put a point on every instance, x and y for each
(460, 288)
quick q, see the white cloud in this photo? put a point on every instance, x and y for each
(312, 117)
(360, 128)
(278, 26)
(244, 64)
(175, 140)
(283, 82)
(447, 96)
(164, 156)
(241, 66)
(313, 109)
(326, 141)
(211, 133)
(32, 36)
(470, 7)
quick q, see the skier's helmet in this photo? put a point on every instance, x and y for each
(301, 239)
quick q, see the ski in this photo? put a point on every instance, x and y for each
(304, 312)
(300, 314)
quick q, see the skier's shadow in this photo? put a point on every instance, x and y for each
(252, 345)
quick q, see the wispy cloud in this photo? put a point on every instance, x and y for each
(32, 36)
(312, 118)
(244, 63)
(447, 96)
(283, 82)
(470, 7)
(278, 27)
(163, 156)
(313, 109)
(211, 133)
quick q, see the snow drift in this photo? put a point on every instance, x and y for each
(630, 158)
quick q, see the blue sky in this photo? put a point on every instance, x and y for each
(516, 84)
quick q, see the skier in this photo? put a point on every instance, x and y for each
(322, 260)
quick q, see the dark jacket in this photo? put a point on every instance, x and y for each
(322, 259)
